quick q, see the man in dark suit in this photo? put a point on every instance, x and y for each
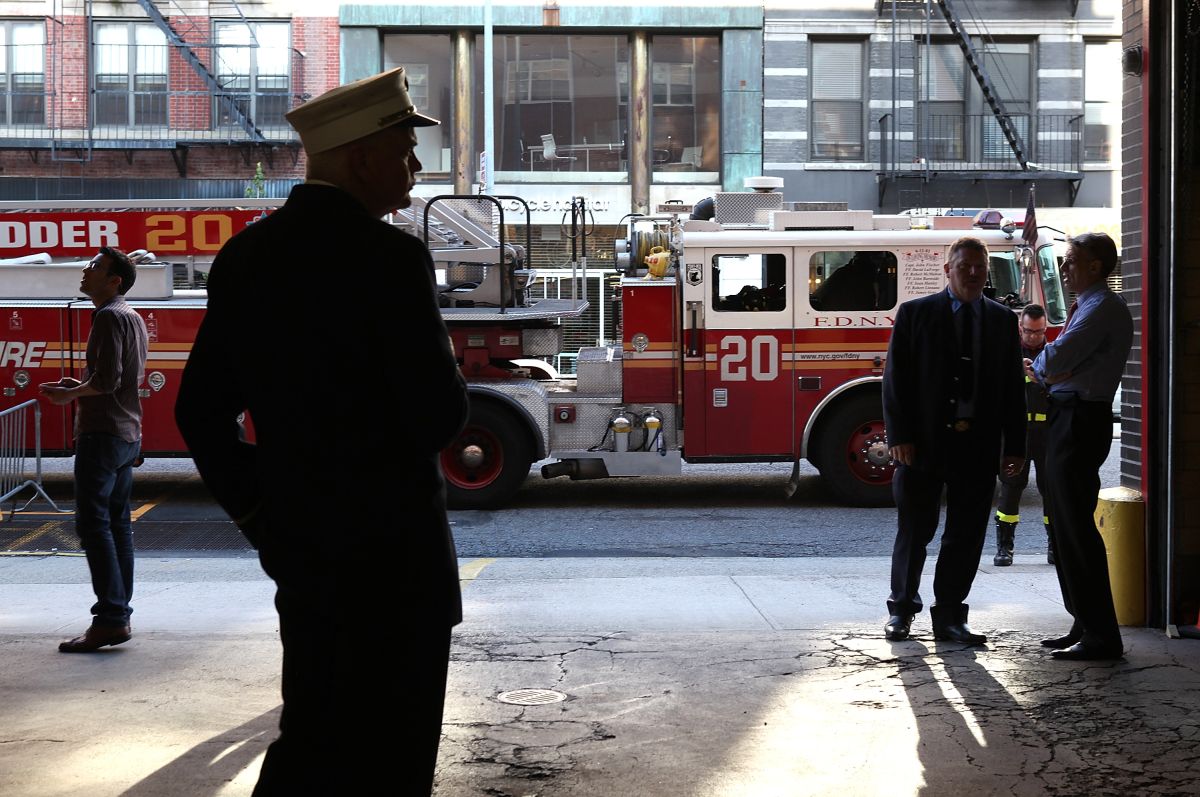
(954, 406)
(351, 400)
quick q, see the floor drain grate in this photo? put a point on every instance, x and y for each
(531, 697)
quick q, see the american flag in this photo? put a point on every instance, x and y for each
(1030, 233)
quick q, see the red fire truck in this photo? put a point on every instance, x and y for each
(751, 337)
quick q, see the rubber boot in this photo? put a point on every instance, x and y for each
(1005, 534)
(1049, 546)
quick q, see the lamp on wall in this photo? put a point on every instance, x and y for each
(1132, 60)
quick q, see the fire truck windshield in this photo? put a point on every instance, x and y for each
(1005, 275)
(1056, 306)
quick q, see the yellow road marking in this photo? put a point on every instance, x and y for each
(38, 532)
(471, 570)
(141, 510)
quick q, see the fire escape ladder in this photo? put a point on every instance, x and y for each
(990, 95)
(210, 80)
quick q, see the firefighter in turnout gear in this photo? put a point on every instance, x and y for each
(1033, 340)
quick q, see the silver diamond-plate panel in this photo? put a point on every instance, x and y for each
(740, 207)
(591, 422)
(542, 342)
(599, 371)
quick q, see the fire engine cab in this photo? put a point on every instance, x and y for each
(759, 335)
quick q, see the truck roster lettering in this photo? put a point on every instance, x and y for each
(921, 271)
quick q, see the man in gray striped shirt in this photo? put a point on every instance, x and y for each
(108, 437)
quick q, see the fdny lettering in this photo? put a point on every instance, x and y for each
(852, 321)
(72, 234)
(18, 354)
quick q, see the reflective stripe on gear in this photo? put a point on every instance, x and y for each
(1003, 518)
(1035, 416)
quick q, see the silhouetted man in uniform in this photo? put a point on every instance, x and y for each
(952, 395)
(323, 324)
(1082, 369)
(1008, 507)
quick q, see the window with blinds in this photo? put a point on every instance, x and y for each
(1008, 64)
(836, 80)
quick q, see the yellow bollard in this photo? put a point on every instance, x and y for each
(1121, 518)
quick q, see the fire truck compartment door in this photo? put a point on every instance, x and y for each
(744, 401)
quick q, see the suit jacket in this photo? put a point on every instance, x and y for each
(323, 323)
(918, 383)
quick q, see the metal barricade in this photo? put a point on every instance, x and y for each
(14, 434)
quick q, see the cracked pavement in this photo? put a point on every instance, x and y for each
(832, 712)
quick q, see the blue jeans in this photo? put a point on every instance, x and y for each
(103, 483)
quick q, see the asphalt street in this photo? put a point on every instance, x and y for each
(725, 510)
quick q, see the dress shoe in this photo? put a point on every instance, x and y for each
(96, 637)
(1088, 651)
(958, 632)
(898, 627)
(1058, 643)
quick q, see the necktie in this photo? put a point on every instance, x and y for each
(1071, 312)
(966, 354)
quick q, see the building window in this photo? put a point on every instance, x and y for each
(22, 73)
(1009, 66)
(253, 61)
(685, 74)
(428, 62)
(941, 103)
(130, 75)
(955, 122)
(836, 78)
(559, 105)
(1101, 95)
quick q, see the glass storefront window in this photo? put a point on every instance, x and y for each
(428, 61)
(560, 105)
(685, 75)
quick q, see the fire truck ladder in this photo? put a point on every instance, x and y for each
(990, 95)
(210, 80)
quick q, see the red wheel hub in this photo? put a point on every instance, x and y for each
(867, 454)
(474, 460)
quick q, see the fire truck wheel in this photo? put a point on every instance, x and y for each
(489, 461)
(852, 454)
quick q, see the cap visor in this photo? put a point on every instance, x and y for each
(420, 120)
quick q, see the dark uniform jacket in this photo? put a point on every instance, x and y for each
(1037, 402)
(918, 383)
(322, 322)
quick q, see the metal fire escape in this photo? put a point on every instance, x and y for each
(192, 60)
(900, 10)
(990, 95)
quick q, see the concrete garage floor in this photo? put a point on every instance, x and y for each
(682, 677)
